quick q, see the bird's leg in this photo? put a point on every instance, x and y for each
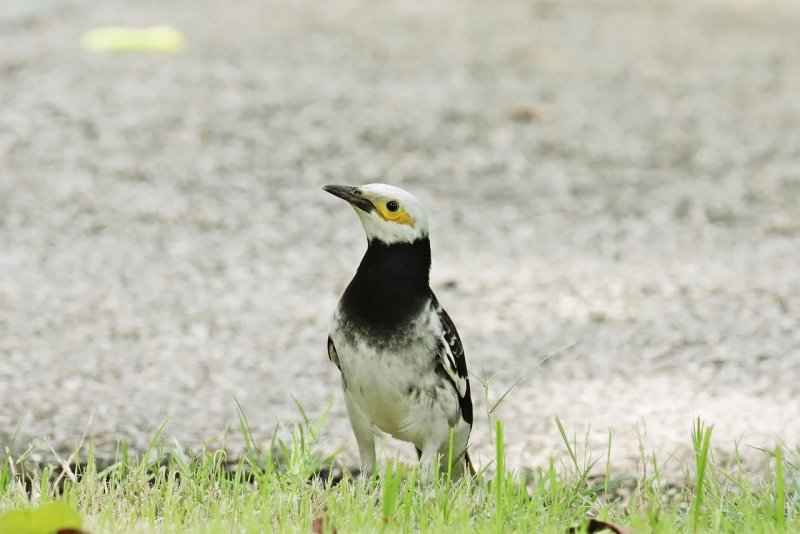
(459, 459)
(429, 463)
(364, 437)
(366, 452)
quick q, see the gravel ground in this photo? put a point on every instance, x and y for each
(617, 181)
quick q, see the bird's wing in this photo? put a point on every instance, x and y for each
(332, 354)
(452, 360)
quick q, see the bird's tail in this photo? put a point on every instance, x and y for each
(468, 463)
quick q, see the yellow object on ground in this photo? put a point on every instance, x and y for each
(46, 519)
(158, 39)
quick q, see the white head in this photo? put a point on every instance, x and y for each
(388, 213)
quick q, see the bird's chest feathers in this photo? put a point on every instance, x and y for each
(384, 333)
(385, 360)
(390, 288)
(381, 377)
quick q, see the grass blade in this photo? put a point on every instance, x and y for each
(701, 439)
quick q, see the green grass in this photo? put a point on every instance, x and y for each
(166, 489)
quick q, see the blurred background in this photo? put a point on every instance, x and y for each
(614, 184)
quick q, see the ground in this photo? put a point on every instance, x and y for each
(613, 183)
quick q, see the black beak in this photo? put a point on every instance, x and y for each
(351, 194)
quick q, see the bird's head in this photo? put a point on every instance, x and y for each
(389, 214)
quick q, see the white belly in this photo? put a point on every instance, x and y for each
(397, 387)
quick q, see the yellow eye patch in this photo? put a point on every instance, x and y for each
(400, 216)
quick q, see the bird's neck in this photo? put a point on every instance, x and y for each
(391, 284)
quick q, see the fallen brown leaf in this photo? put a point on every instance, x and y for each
(322, 525)
(525, 113)
(595, 525)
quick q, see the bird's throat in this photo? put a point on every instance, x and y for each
(391, 284)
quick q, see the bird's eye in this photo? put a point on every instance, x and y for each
(392, 205)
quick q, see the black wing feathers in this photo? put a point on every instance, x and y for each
(332, 355)
(455, 363)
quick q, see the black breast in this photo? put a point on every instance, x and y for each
(390, 287)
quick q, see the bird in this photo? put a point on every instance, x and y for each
(402, 364)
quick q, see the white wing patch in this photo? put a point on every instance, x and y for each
(452, 355)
